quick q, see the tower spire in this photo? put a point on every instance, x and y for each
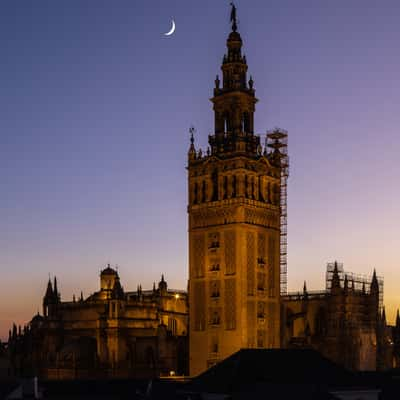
(233, 17)
(234, 102)
(234, 183)
(49, 290)
(374, 288)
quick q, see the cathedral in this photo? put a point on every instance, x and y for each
(237, 295)
(110, 334)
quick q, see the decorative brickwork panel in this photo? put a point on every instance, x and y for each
(230, 303)
(251, 324)
(250, 263)
(271, 324)
(230, 252)
(199, 301)
(264, 218)
(198, 255)
(273, 266)
(261, 250)
(207, 217)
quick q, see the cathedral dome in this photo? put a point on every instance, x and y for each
(108, 277)
(108, 271)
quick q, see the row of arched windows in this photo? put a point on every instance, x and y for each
(232, 186)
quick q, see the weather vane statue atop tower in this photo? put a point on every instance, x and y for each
(233, 17)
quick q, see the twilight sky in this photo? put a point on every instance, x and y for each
(95, 106)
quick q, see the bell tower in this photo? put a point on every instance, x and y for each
(234, 225)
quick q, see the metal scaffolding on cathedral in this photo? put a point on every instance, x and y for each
(277, 140)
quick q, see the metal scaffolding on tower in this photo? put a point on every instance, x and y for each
(277, 140)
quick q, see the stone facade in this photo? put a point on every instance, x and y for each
(234, 198)
(111, 333)
(346, 323)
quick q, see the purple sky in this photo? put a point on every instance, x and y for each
(95, 107)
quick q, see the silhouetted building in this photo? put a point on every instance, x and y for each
(280, 374)
(346, 322)
(112, 333)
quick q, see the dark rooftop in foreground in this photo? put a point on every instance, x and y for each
(249, 367)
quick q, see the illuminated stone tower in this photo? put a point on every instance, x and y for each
(234, 225)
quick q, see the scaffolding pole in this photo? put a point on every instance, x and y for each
(277, 140)
(358, 281)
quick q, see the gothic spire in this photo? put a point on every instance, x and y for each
(374, 283)
(55, 287)
(49, 290)
(305, 293)
(335, 277)
(162, 285)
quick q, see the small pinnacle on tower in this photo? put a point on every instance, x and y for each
(192, 149)
(217, 82)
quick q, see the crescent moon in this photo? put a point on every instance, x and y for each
(172, 29)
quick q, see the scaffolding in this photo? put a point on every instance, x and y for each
(360, 282)
(277, 140)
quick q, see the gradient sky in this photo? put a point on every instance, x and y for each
(95, 106)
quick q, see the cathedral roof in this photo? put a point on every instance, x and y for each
(109, 271)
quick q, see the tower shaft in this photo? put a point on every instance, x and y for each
(234, 215)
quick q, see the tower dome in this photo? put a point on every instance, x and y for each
(108, 276)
